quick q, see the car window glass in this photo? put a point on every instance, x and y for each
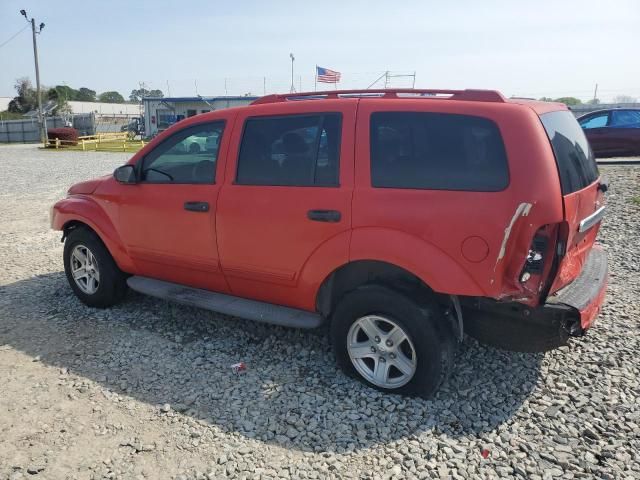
(575, 160)
(189, 156)
(437, 151)
(294, 150)
(625, 118)
(598, 121)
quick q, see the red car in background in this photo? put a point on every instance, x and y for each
(613, 132)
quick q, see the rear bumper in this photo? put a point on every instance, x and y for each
(586, 293)
(568, 312)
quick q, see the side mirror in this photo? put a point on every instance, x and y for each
(125, 174)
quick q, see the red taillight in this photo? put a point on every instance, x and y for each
(539, 260)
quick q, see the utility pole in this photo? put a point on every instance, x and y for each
(595, 94)
(41, 120)
(293, 87)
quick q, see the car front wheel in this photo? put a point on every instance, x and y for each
(91, 271)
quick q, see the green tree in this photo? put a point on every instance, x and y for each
(546, 99)
(111, 97)
(62, 106)
(138, 94)
(594, 101)
(66, 92)
(86, 95)
(568, 101)
(26, 100)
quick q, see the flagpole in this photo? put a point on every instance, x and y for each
(315, 80)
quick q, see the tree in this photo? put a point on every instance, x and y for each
(568, 101)
(62, 106)
(66, 92)
(86, 95)
(111, 97)
(27, 98)
(625, 99)
(138, 94)
(546, 99)
(594, 101)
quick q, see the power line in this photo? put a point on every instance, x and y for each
(13, 36)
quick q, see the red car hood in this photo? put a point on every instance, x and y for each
(86, 188)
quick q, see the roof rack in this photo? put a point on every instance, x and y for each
(466, 95)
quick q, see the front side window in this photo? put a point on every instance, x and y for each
(293, 150)
(598, 121)
(189, 156)
(625, 119)
(437, 151)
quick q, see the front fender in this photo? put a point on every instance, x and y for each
(433, 266)
(84, 209)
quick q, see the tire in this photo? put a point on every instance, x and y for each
(110, 287)
(429, 343)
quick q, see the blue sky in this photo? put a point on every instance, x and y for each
(533, 48)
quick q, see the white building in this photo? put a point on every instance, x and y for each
(105, 109)
(161, 113)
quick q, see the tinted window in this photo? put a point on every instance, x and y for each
(598, 121)
(575, 160)
(297, 150)
(437, 151)
(625, 118)
(188, 156)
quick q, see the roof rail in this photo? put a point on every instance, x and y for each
(467, 95)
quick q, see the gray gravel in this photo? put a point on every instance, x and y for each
(145, 390)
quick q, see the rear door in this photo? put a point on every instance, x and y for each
(288, 191)
(624, 131)
(583, 199)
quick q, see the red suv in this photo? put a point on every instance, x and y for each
(403, 218)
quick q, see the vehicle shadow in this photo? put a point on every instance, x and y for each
(291, 395)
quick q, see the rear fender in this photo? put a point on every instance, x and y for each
(426, 261)
(83, 209)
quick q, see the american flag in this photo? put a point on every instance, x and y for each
(327, 76)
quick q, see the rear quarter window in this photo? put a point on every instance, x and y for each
(437, 151)
(575, 160)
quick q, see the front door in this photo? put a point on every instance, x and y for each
(167, 220)
(287, 193)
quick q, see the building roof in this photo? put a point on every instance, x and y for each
(197, 99)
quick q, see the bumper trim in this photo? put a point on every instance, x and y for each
(586, 293)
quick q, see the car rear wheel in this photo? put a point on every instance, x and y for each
(91, 271)
(390, 342)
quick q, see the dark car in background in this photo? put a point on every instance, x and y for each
(613, 132)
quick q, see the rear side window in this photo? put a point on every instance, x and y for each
(437, 151)
(294, 150)
(625, 118)
(576, 163)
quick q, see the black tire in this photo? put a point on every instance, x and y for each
(112, 286)
(424, 324)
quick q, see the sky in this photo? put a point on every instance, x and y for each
(523, 48)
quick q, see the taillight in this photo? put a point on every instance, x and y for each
(534, 263)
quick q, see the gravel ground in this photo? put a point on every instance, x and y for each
(145, 390)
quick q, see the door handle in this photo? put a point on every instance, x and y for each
(196, 206)
(332, 216)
